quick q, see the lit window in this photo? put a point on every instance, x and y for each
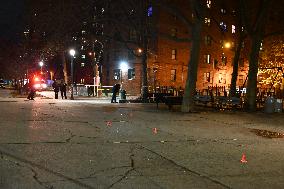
(261, 46)
(83, 56)
(233, 29)
(208, 4)
(150, 11)
(207, 58)
(206, 77)
(116, 74)
(243, 44)
(83, 32)
(173, 74)
(174, 54)
(223, 26)
(82, 47)
(82, 64)
(222, 78)
(131, 73)
(207, 21)
(223, 11)
(173, 32)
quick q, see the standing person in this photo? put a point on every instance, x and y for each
(63, 90)
(115, 90)
(55, 89)
(32, 92)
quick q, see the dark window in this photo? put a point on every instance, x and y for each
(215, 63)
(131, 73)
(132, 34)
(224, 60)
(174, 32)
(130, 55)
(208, 40)
(242, 62)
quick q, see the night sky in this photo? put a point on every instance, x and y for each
(11, 18)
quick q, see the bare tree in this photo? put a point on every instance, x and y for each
(256, 31)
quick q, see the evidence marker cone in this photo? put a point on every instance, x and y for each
(155, 130)
(108, 123)
(244, 160)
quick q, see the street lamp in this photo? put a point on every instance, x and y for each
(227, 45)
(72, 53)
(41, 64)
(123, 68)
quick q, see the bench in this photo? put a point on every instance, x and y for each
(170, 101)
(234, 102)
(203, 99)
(222, 102)
(159, 97)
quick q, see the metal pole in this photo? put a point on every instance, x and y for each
(72, 82)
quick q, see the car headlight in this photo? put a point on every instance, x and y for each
(44, 85)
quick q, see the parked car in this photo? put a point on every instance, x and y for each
(2, 83)
(40, 85)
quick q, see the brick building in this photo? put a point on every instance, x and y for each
(169, 51)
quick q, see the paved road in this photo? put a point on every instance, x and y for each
(50, 143)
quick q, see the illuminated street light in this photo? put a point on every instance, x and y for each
(41, 64)
(72, 53)
(123, 68)
(227, 45)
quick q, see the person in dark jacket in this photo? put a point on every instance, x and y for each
(32, 92)
(115, 90)
(55, 89)
(63, 87)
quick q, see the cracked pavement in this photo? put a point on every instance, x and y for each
(52, 144)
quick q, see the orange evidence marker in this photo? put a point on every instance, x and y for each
(155, 130)
(108, 123)
(244, 160)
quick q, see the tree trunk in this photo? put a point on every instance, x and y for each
(144, 77)
(236, 67)
(250, 99)
(145, 31)
(64, 68)
(190, 87)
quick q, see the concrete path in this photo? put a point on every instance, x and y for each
(50, 143)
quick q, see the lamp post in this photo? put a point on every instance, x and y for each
(41, 64)
(72, 53)
(96, 66)
(123, 68)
